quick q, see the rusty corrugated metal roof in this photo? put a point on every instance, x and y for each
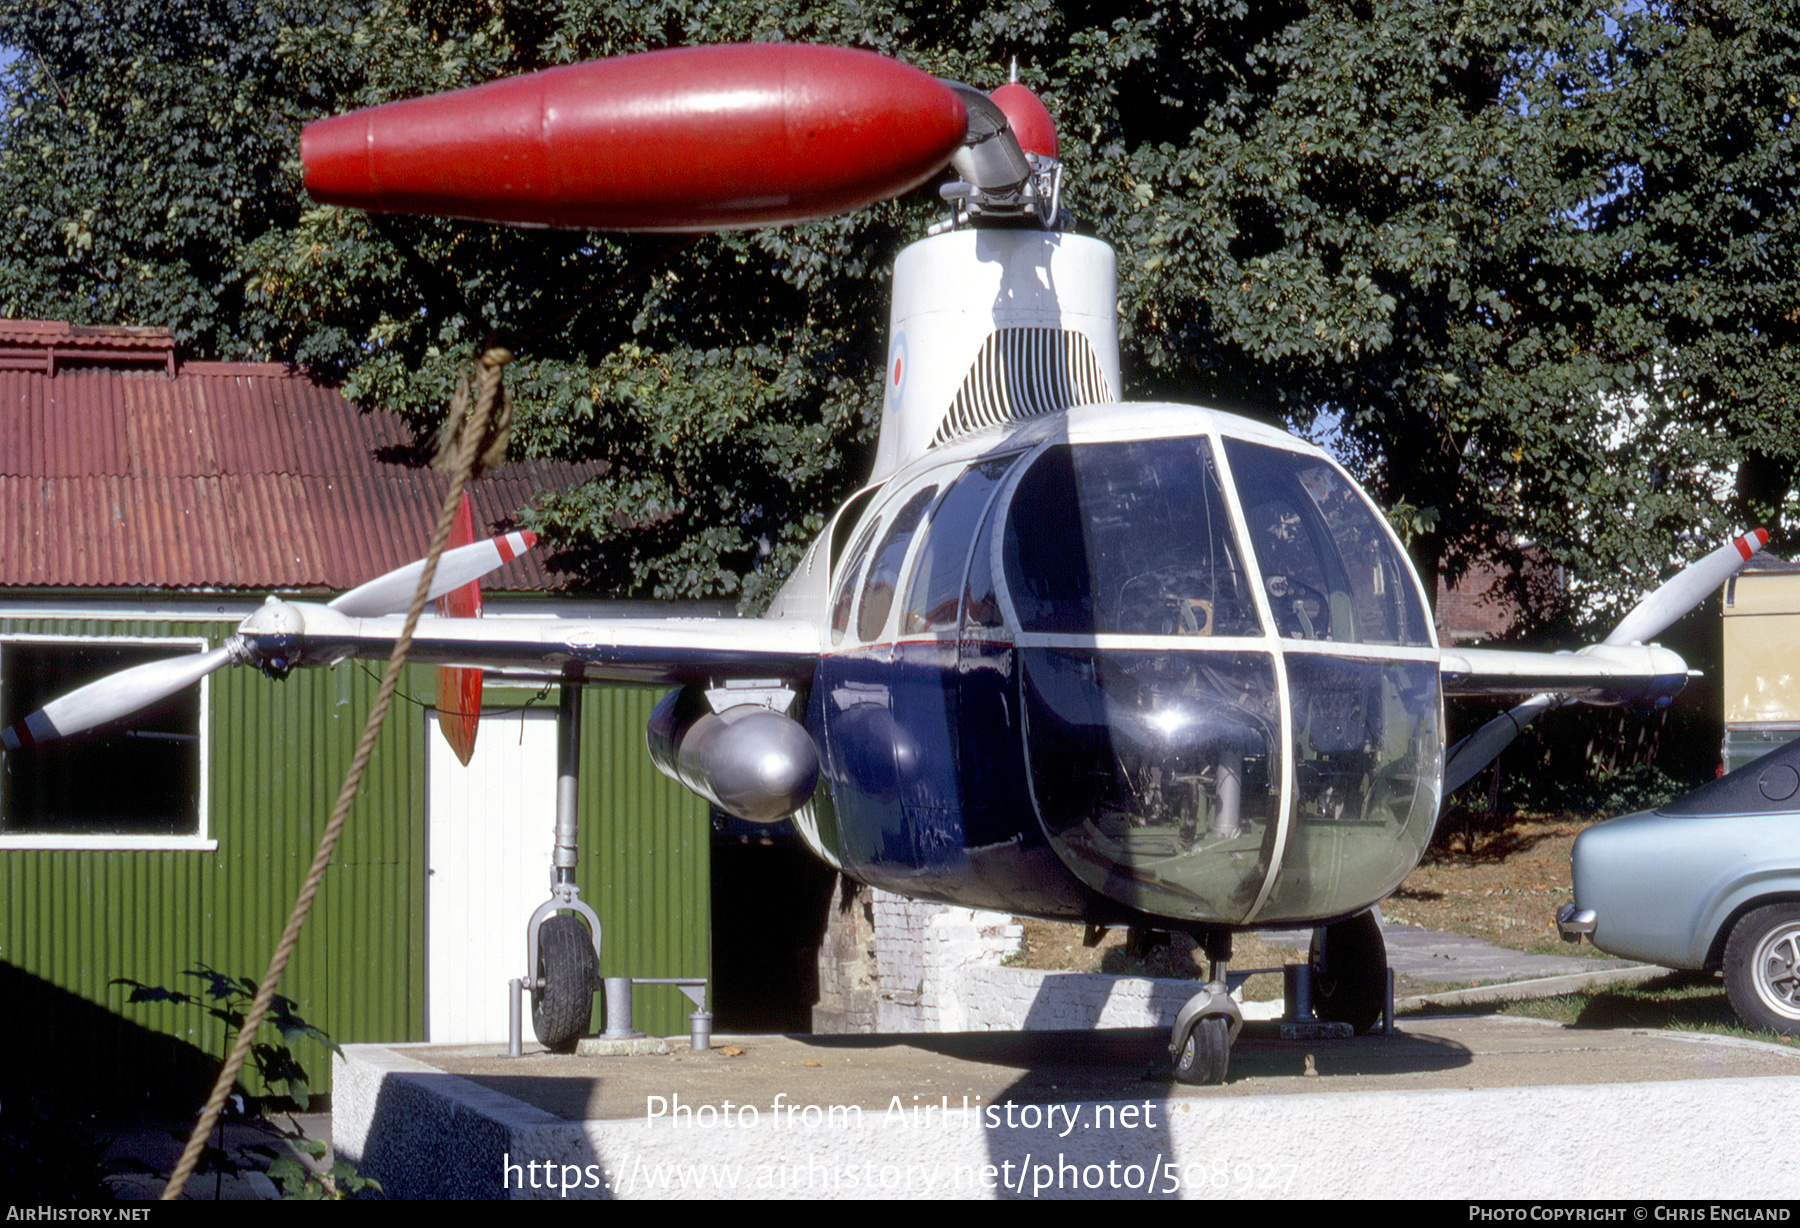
(222, 476)
(49, 345)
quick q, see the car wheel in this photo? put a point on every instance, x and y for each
(1762, 968)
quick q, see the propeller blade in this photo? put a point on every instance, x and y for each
(463, 601)
(1647, 620)
(115, 696)
(690, 139)
(459, 709)
(1655, 613)
(392, 593)
(1482, 747)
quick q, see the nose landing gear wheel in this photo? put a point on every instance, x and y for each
(563, 1000)
(1205, 1053)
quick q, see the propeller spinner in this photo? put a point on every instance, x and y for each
(121, 694)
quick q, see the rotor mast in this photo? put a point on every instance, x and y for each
(1002, 313)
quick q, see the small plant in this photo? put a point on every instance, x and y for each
(227, 998)
(285, 1081)
(301, 1184)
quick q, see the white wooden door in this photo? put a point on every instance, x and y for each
(490, 828)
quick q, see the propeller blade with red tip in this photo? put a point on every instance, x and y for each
(115, 696)
(1656, 613)
(121, 694)
(698, 138)
(1647, 620)
(393, 592)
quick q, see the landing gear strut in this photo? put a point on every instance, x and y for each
(1345, 982)
(562, 953)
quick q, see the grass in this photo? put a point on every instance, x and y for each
(1678, 1001)
(1573, 950)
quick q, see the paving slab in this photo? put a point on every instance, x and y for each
(1434, 955)
(1478, 1106)
(1448, 1052)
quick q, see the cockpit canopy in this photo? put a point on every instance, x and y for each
(1146, 546)
(1206, 653)
(1133, 537)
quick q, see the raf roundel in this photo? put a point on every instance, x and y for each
(896, 371)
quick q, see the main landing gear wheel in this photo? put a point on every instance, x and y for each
(1206, 1052)
(1762, 969)
(564, 997)
(1349, 962)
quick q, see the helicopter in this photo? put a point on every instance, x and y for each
(1062, 655)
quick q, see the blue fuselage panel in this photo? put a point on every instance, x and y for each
(925, 761)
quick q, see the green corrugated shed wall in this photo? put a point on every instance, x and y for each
(635, 869)
(73, 920)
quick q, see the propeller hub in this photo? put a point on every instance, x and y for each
(273, 617)
(272, 637)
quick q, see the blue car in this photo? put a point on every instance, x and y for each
(1708, 881)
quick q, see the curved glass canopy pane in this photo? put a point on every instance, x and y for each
(1330, 565)
(1145, 546)
(1366, 738)
(1155, 774)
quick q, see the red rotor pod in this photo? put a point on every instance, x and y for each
(698, 138)
(1029, 119)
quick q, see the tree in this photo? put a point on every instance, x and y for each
(1529, 267)
(136, 158)
(1524, 261)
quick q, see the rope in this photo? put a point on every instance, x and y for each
(495, 428)
(473, 433)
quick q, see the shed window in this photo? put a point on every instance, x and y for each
(137, 778)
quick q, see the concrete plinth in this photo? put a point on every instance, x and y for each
(1490, 1107)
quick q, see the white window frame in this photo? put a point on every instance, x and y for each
(200, 840)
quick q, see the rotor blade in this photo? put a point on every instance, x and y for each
(1655, 613)
(1483, 746)
(991, 157)
(114, 696)
(688, 139)
(392, 593)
